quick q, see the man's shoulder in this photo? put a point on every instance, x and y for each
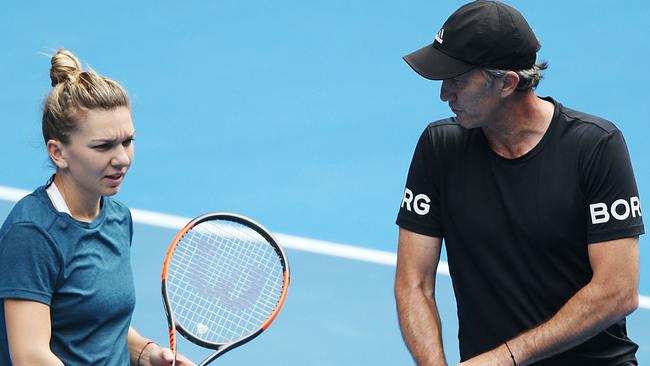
(449, 134)
(578, 119)
(446, 125)
(447, 129)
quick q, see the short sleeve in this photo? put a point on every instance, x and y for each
(613, 203)
(130, 217)
(419, 209)
(30, 264)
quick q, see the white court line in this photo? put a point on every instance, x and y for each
(287, 241)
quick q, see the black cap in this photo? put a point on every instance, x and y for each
(479, 34)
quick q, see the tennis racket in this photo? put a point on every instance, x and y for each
(224, 280)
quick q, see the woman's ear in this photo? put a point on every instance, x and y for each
(56, 151)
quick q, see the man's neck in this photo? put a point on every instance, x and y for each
(520, 125)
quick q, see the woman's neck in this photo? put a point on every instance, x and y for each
(82, 205)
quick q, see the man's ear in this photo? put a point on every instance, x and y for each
(510, 82)
(56, 151)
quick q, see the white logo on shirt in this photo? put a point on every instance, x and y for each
(600, 214)
(439, 35)
(420, 203)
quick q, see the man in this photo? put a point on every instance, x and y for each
(536, 203)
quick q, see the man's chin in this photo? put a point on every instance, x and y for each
(467, 123)
(464, 123)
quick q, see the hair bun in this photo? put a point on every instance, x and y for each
(65, 67)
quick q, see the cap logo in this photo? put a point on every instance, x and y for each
(439, 35)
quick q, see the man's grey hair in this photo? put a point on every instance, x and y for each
(528, 79)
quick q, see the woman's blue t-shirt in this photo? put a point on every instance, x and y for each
(82, 271)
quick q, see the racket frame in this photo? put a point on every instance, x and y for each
(174, 325)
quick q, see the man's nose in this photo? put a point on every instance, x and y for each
(446, 91)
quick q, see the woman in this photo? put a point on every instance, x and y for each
(67, 290)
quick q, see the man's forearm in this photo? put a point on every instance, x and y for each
(583, 316)
(420, 326)
(588, 312)
(611, 295)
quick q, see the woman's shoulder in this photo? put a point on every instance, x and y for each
(30, 217)
(32, 209)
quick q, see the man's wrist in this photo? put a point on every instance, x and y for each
(512, 356)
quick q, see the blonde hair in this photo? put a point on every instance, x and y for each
(73, 93)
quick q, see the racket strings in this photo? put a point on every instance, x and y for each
(209, 290)
(224, 281)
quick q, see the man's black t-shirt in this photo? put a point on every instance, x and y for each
(516, 231)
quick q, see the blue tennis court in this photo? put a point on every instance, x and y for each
(302, 116)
